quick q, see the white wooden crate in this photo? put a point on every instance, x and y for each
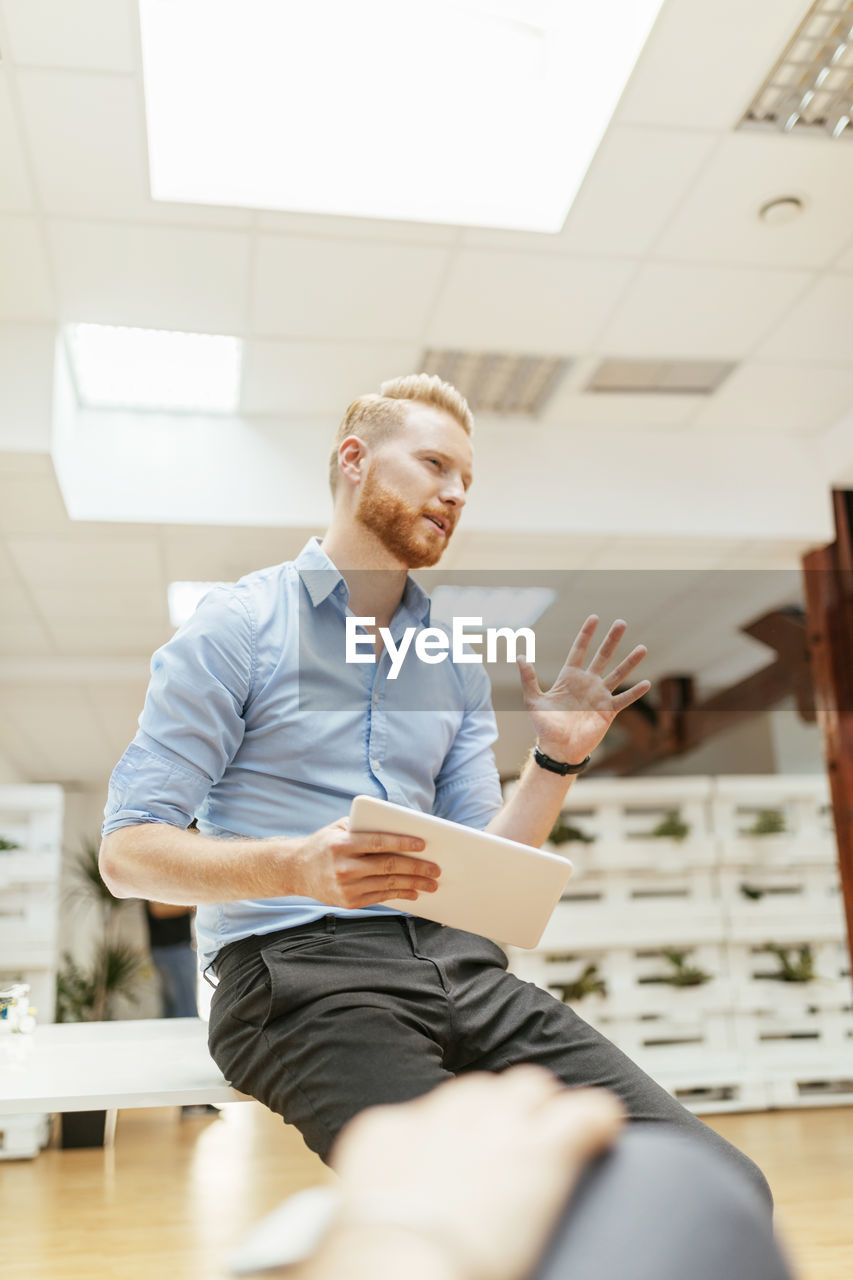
(755, 984)
(635, 979)
(620, 815)
(744, 1040)
(804, 802)
(820, 1039)
(713, 1090)
(669, 1044)
(28, 922)
(828, 1085)
(637, 921)
(31, 816)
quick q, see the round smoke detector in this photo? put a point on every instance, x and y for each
(781, 210)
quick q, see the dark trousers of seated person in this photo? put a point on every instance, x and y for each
(660, 1206)
(321, 1021)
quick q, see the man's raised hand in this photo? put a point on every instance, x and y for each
(572, 717)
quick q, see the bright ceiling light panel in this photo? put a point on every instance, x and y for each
(469, 112)
(154, 369)
(184, 597)
(496, 606)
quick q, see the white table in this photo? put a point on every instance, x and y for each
(93, 1066)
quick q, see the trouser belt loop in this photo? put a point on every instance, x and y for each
(331, 925)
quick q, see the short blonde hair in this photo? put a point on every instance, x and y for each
(377, 417)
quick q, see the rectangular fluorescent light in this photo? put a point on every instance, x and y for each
(468, 112)
(184, 597)
(811, 86)
(659, 377)
(497, 381)
(497, 606)
(154, 369)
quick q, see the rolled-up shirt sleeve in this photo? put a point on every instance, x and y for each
(192, 722)
(468, 788)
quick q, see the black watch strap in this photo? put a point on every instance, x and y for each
(557, 766)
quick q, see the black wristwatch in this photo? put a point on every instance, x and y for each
(557, 766)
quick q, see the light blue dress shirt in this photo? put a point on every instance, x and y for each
(255, 724)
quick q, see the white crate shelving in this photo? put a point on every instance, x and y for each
(31, 820)
(620, 816)
(806, 809)
(745, 1038)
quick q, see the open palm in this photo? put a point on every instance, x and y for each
(573, 716)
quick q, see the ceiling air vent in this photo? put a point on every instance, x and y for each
(659, 377)
(811, 86)
(495, 382)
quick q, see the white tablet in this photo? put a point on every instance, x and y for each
(488, 885)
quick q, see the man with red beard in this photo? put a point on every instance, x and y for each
(327, 1001)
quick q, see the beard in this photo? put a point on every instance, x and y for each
(399, 527)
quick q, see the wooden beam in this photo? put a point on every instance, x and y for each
(678, 723)
(828, 575)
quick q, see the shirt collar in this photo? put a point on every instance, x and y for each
(322, 579)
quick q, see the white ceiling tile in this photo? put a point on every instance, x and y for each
(525, 302)
(719, 222)
(29, 463)
(659, 554)
(701, 66)
(780, 558)
(62, 113)
(333, 289)
(845, 262)
(116, 599)
(87, 558)
(819, 328)
(8, 572)
(713, 313)
(32, 503)
(99, 35)
(25, 290)
(383, 230)
(18, 603)
(60, 726)
(15, 193)
(108, 637)
(636, 179)
(623, 410)
(26, 386)
(224, 554)
(498, 552)
(156, 277)
(778, 397)
(318, 377)
(28, 638)
(116, 708)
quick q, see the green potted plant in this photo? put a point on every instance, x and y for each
(796, 964)
(89, 992)
(768, 822)
(563, 832)
(588, 983)
(683, 974)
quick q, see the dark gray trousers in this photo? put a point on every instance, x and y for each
(321, 1021)
(660, 1206)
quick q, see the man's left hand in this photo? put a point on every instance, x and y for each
(572, 717)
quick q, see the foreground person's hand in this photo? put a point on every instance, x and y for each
(467, 1182)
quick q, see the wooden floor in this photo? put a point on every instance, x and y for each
(174, 1194)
